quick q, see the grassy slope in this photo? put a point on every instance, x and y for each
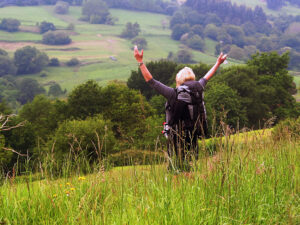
(95, 43)
(288, 9)
(254, 183)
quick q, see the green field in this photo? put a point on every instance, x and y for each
(94, 44)
(245, 182)
(287, 9)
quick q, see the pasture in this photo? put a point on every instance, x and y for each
(256, 182)
(94, 44)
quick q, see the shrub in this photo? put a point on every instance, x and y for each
(132, 30)
(287, 129)
(10, 25)
(30, 60)
(6, 66)
(91, 138)
(195, 42)
(56, 38)
(54, 62)
(61, 7)
(73, 62)
(46, 26)
(140, 42)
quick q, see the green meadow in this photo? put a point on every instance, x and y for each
(251, 179)
(94, 44)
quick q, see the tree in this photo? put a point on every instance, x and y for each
(95, 12)
(127, 109)
(131, 30)
(10, 25)
(56, 38)
(6, 66)
(237, 53)
(211, 31)
(61, 7)
(275, 4)
(184, 56)
(86, 100)
(30, 60)
(178, 30)
(162, 70)
(3, 52)
(55, 90)
(195, 42)
(90, 139)
(43, 115)
(73, 62)
(140, 42)
(29, 88)
(54, 62)
(46, 26)
(224, 104)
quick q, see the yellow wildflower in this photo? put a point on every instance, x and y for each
(54, 195)
(68, 184)
(81, 178)
(72, 189)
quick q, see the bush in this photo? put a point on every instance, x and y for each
(287, 129)
(54, 62)
(10, 25)
(91, 138)
(6, 66)
(96, 12)
(55, 90)
(61, 7)
(30, 60)
(132, 30)
(56, 38)
(140, 42)
(46, 26)
(195, 42)
(73, 62)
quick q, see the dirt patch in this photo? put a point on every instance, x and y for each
(31, 29)
(13, 46)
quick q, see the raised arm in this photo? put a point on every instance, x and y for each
(212, 71)
(139, 58)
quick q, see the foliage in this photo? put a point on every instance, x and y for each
(44, 115)
(3, 52)
(140, 42)
(224, 105)
(132, 30)
(127, 109)
(184, 56)
(287, 129)
(55, 90)
(10, 25)
(46, 26)
(86, 100)
(54, 62)
(56, 38)
(73, 62)
(179, 30)
(61, 7)
(7, 66)
(29, 88)
(30, 60)
(195, 42)
(161, 70)
(275, 4)
(96, 12)
(91, 139)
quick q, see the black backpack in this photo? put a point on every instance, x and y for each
(187, 109)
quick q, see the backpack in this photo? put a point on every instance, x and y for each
(187, 109)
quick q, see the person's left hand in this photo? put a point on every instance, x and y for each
(138, 56)
(221, 58)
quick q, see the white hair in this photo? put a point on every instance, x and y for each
(184, 75)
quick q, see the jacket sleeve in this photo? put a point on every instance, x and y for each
(162, 89)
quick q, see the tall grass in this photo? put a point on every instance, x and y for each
(250, 180)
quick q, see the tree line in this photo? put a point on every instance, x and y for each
(97, 123)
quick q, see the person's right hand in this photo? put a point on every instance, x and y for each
(138, 56)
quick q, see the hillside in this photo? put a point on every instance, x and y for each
(93, 44)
